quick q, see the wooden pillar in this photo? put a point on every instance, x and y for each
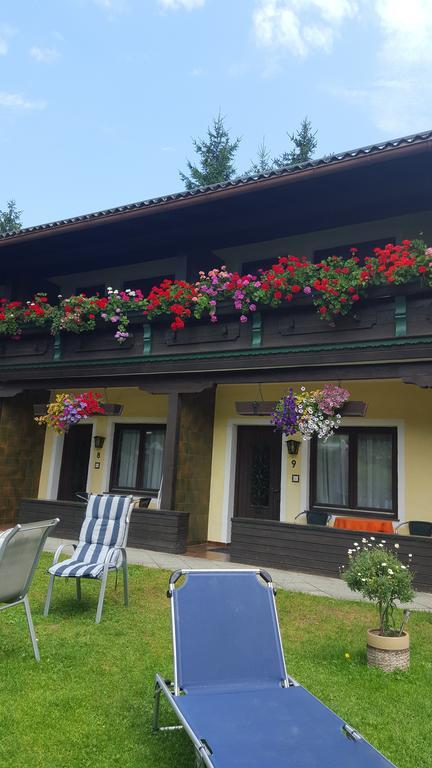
(171, 451)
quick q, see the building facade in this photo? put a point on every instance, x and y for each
(193, 431)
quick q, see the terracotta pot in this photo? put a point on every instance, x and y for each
(388, 653)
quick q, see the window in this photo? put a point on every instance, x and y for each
(137, 457)
(363, 249)
(145, 284)
(252, 267)
(91, 290)
(355, 471)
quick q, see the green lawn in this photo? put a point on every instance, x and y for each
(89, 701)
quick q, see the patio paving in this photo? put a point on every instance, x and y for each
(293, 581)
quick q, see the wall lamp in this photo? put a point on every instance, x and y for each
(98, 441)
(293, 447)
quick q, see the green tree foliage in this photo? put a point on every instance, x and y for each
(263, 160)
(10, 218)
(216, 153)
(304, 143)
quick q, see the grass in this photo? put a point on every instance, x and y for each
(89, 701)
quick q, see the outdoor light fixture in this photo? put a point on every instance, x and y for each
(293, 447)
(98, 441)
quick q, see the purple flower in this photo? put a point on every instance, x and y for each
(243, 319)
(213, 318)
(307, 290)
(252, 307)
(115, 319)
(212, 303)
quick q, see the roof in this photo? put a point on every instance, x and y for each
(239, 182)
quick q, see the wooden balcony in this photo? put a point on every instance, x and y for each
(391, 325)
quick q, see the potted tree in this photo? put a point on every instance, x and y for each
(377, 573)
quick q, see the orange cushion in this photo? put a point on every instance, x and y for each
(363, 524)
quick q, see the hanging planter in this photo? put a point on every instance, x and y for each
(311, 413)
(68, 409)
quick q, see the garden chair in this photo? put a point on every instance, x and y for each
(417, 527)
(315, 518)
(231, 692)
(101, 547)
(20, 550)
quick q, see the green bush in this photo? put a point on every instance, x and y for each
(377, 573)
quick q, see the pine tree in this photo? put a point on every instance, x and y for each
(216, 155)
(10, 218)
(263, 162)
(304, 142)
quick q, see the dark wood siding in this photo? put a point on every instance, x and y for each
(316, 549)
(156, 529)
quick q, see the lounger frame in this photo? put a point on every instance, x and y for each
(170, 689)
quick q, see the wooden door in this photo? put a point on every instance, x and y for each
(258, 473)
(75, 462)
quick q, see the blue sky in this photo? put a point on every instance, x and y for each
(99, 99)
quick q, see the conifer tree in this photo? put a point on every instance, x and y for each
(263, 160)
(10, 218)
(216, 155)
(304, 142)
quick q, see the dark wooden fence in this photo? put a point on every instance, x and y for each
(318, 549)
(158, 529)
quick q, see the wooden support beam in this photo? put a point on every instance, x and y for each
(171, 450)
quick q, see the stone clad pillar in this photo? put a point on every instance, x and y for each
(188, 457)
(21, 450)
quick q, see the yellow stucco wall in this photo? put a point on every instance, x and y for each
(138, 405)
(393, 403)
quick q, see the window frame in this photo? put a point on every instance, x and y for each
(115, 461)
(353, 509)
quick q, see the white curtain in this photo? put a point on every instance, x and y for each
(374, 471)
(153, 458)
(332, 471)
(129, 454)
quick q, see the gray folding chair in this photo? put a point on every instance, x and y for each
(20, 550)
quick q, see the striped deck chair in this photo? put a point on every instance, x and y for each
(101, 547)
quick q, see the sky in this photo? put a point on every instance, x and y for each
(100, 99)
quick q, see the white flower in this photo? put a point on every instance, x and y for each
(390, 572)
(403, 567)
(383, 564)
(372, 538)
(381, 545)
(410, 555)
(396, 546)
(364, 541)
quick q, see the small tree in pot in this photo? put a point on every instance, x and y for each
(376, 572)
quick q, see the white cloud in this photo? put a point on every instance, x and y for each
(45, 55)
(407, 30)
(300, 26)
(400, 98)
(6, 32)
(19, 102)
(185, 5)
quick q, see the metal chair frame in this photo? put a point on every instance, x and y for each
(22, 597)
(109, 565)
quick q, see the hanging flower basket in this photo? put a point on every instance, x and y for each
(311, 413)
(68, 409)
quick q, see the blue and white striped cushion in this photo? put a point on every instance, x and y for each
(104, 527)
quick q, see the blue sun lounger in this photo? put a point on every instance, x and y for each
(231, 691)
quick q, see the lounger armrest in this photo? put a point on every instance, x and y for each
(60, 549)
(399, 526)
